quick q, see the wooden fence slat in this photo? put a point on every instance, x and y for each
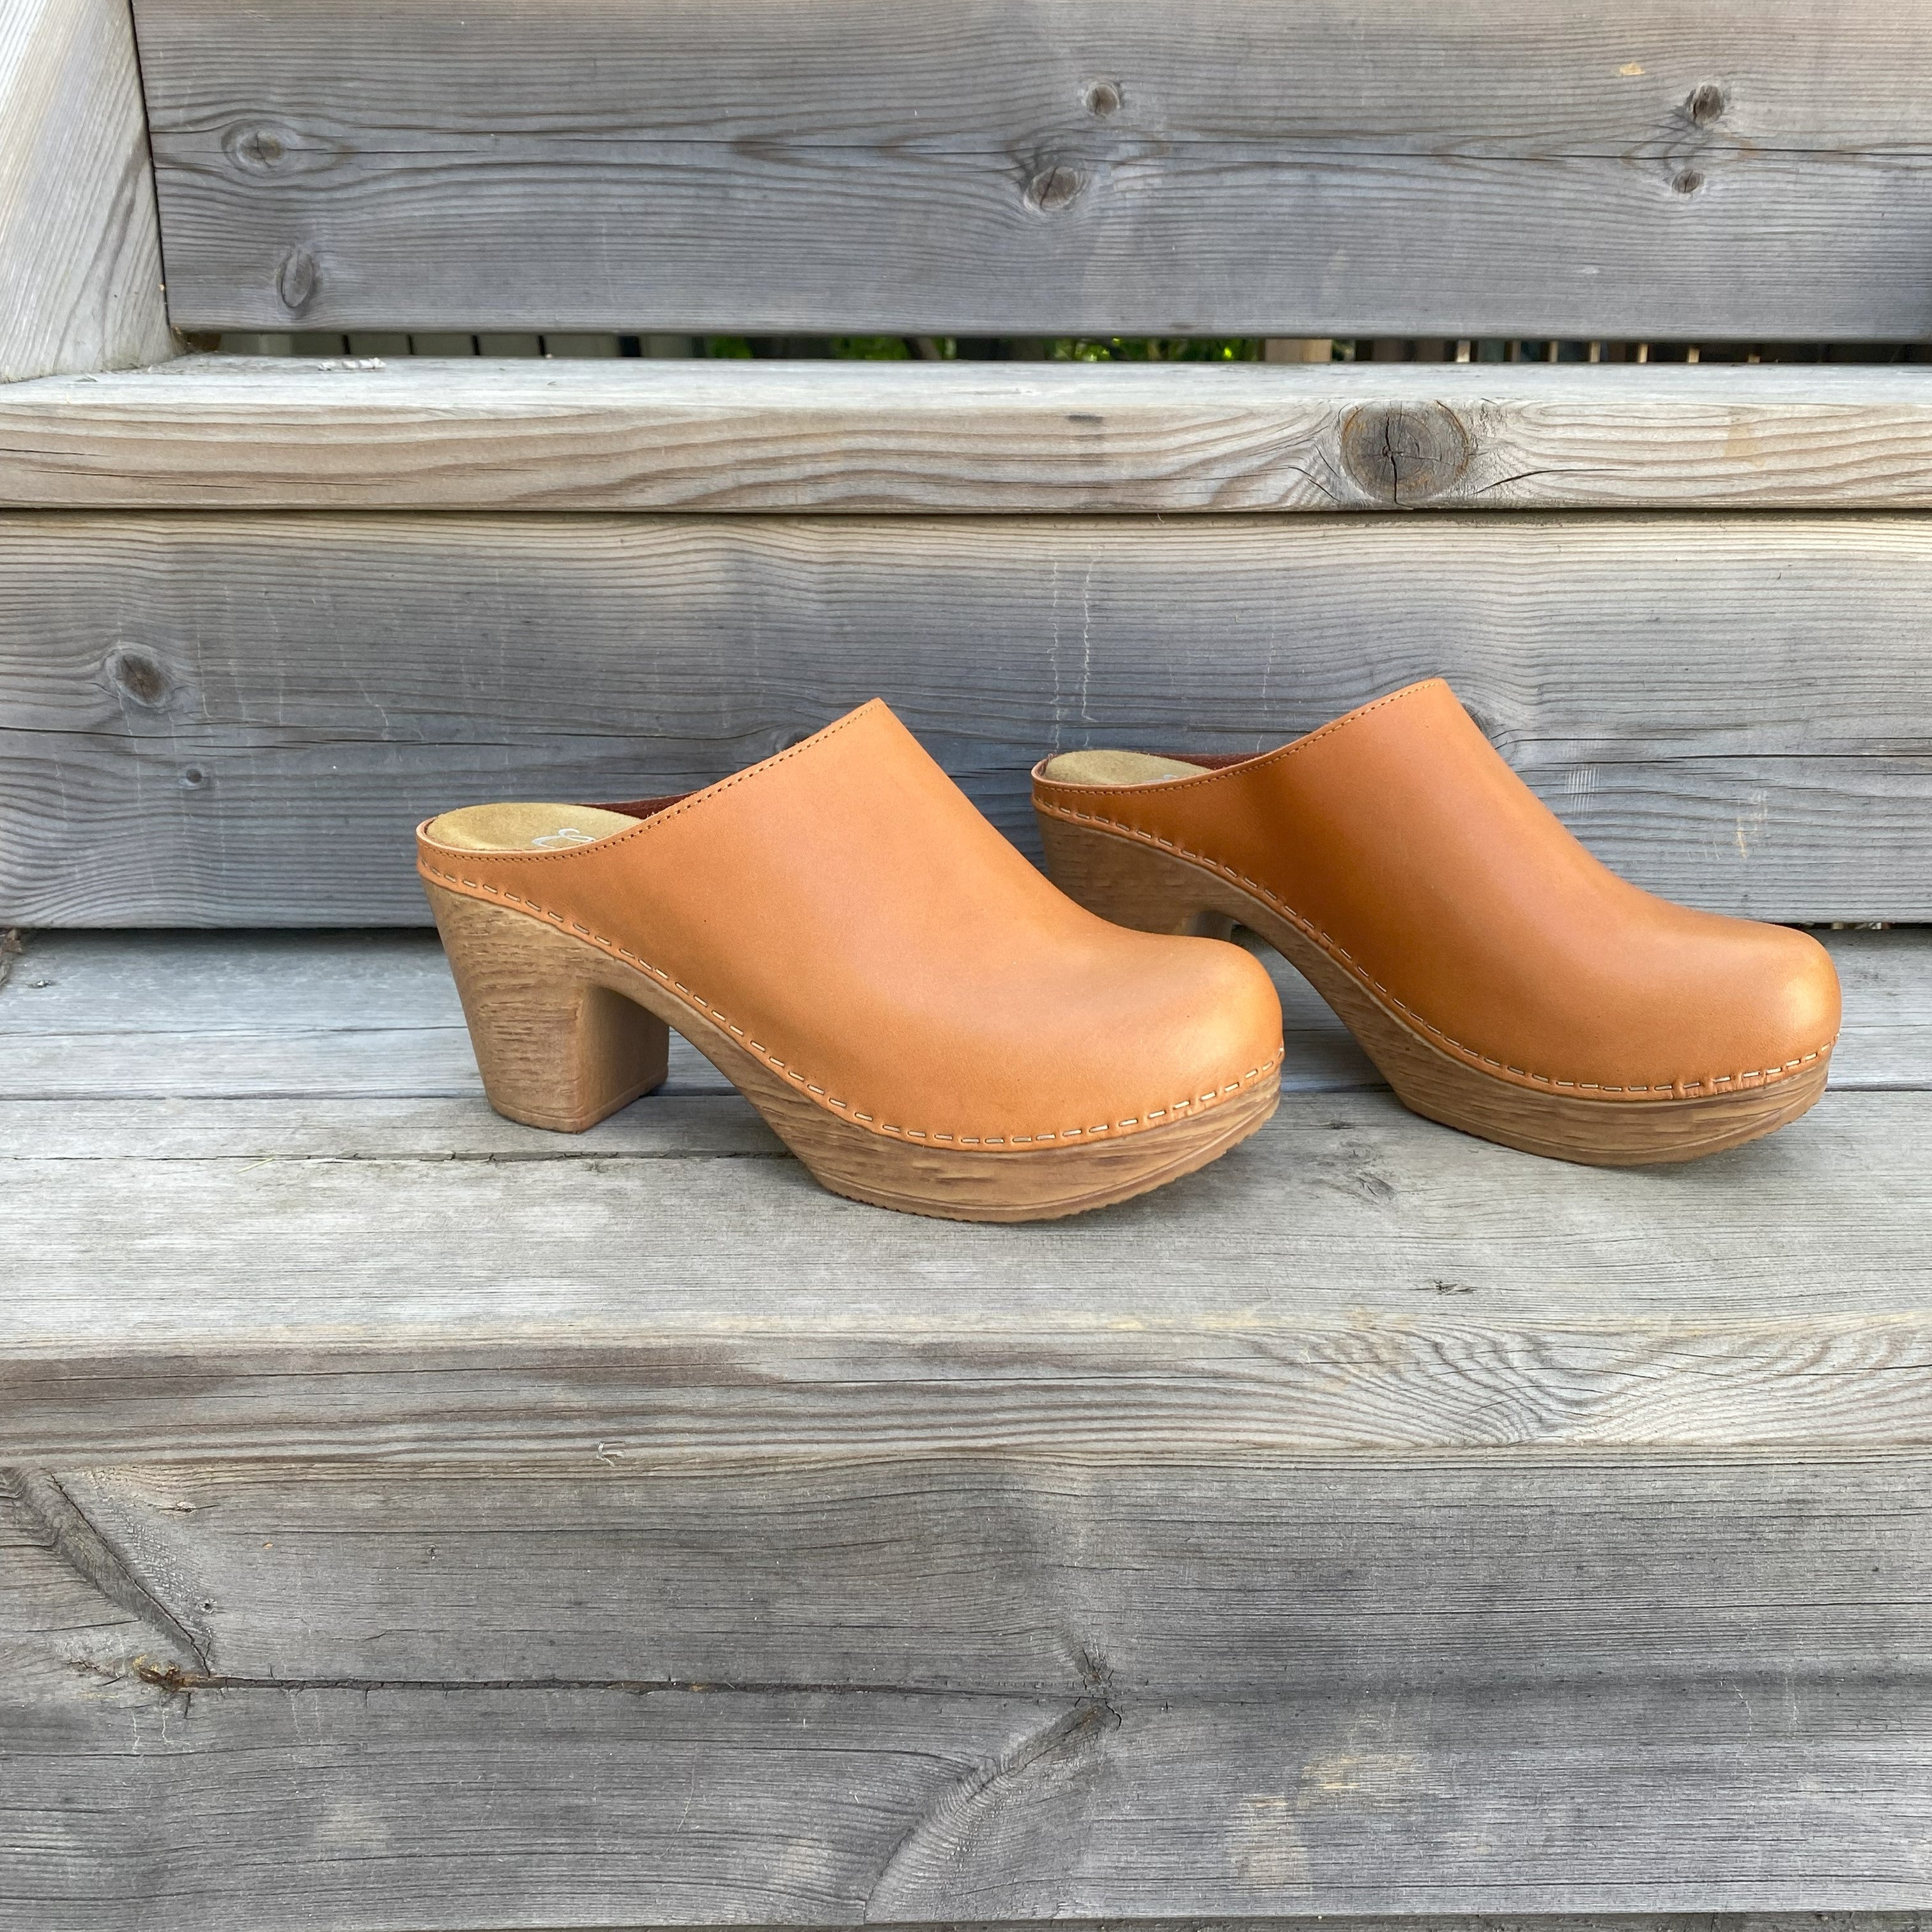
(80, 267)
(221, 433)
(228, 719)
(1012, 168)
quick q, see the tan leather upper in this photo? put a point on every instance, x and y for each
(843, 910)
(1398, 838)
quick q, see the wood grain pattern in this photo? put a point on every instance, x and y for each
(403, 1531)
(1023, 1575)
(80, 266)
(1003, 168)
(226, 432)
(1309, 1297)
(403, 1807)
(1345, 1768)
(226, 718)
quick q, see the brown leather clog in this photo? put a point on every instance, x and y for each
(1504, 981)
(924, 1020)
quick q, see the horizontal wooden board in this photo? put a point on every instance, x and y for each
(228, 432)
(1353, 1279)
(1507, 78)
(138, 1793)
(416, 1811)
(1233, 1578)
(80, 266)
(225, 719)
(1010, 168)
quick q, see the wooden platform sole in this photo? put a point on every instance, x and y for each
(1140, 886)
(565, 1034)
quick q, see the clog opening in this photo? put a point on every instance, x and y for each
(527, 828)
(1115, 768)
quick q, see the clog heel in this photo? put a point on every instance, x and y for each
(925, 1021)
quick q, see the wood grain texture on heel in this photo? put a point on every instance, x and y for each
(566, 1032)
(1110, 876)
(557, 1046)
(1136, 883)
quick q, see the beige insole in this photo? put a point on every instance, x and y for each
(1115, 768)
(526, 828)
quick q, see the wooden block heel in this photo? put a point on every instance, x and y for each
(558, 1045)
(1137, 883)
(565, 1034)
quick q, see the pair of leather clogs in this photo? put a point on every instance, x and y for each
(931, 1025)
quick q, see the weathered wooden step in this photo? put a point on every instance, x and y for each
(413, 1521)
(220, 432)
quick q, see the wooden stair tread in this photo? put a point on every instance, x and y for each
(219, 432)
(1356, 1278)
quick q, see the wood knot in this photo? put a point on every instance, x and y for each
(1053, 186)
(256, 149)
(296, 280)
(1706, 103)
(1688, 182)
(138, 677)
(1103, 98)
(1406, 453)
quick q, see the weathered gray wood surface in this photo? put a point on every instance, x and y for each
(213, 1272)
(414, 1522)
(235, 719)
(224, 432)
(1473, 1782)
(1306, 1294)
(1005, 167)
(1019, 1576)
(80, 266)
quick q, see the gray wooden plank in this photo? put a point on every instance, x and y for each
(243, 1774)
(229, 718)
(220, 432)
(1008, 168)
(1504, 77)
(1352, 1279)
(80, 266)
(1025, 1574)
(406, 1808)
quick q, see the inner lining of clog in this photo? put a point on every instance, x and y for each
(1115, 768)
(526, 828)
